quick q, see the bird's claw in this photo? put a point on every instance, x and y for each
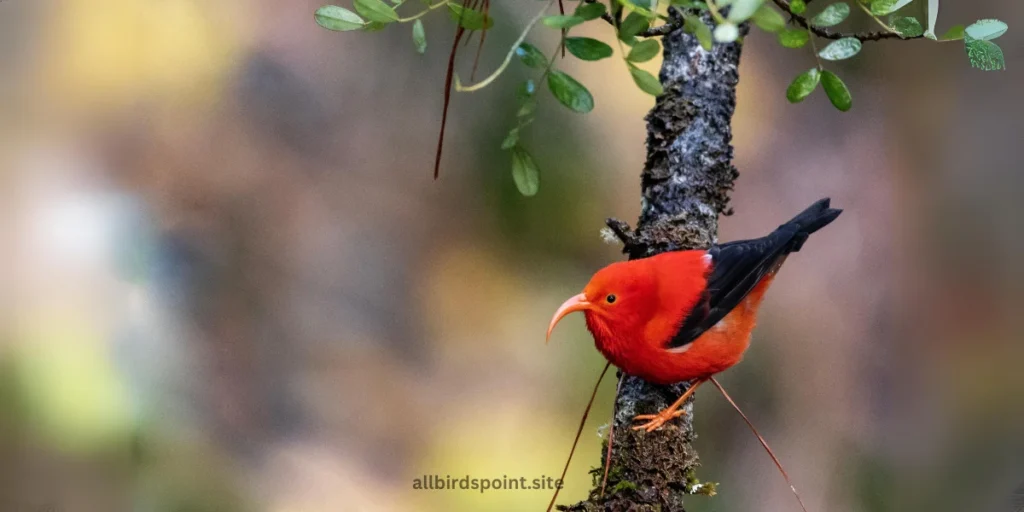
(656, 420)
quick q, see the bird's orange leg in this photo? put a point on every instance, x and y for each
(672, 411)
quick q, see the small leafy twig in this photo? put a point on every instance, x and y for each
(508, 58)
(424, 12)
(876, 18)
(829, 34)
(814, 50)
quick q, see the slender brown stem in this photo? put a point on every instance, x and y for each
(579, 431)
(447, 98)
(561, 10)
(471, 5)
(480, 47)
(763, 443)
(611, 436)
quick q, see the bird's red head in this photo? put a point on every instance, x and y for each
(620, 298)
(641, 300)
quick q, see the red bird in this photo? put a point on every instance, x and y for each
(687, 315)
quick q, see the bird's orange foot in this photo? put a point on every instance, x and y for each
(657, 420)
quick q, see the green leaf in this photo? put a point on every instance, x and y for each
(527, 108)
(693, 25)
(525, 94)
(469, 19)
(419, 37)
(586, 48)
(645, 7)
(644, 51)
(768, 19)
(562, 20)
(570, 93)
(337, 18)
(645, 81)
(841, 49)
(884, 7)
(836, 90)
(590, 11)
(531, 56)
(832, 15)
(726, 33)
(633, 25)
(526, 90)
(803, 85)
(986, 30)
(511, 139)
(525, 172)
(880, 7)
(794, 37)
(641, 4)
(907, 26)
(374, 26)
(797, 6)
(375, 10)
(984, 55)
(954, 33)
(742, 10)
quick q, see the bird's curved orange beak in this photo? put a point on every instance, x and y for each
(575, 303)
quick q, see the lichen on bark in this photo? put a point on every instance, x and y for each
(685, 187)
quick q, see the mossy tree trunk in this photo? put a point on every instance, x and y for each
(685, 185)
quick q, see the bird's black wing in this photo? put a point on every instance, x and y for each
(737, 267)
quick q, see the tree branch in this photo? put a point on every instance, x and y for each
(829, 34)
(623, 232)
(685, 185)
(661, 30)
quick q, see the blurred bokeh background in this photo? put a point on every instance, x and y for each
(229, 283)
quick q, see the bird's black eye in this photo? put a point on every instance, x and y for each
(610, 298)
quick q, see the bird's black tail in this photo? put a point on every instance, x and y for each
(815, 217)
(738, 266)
